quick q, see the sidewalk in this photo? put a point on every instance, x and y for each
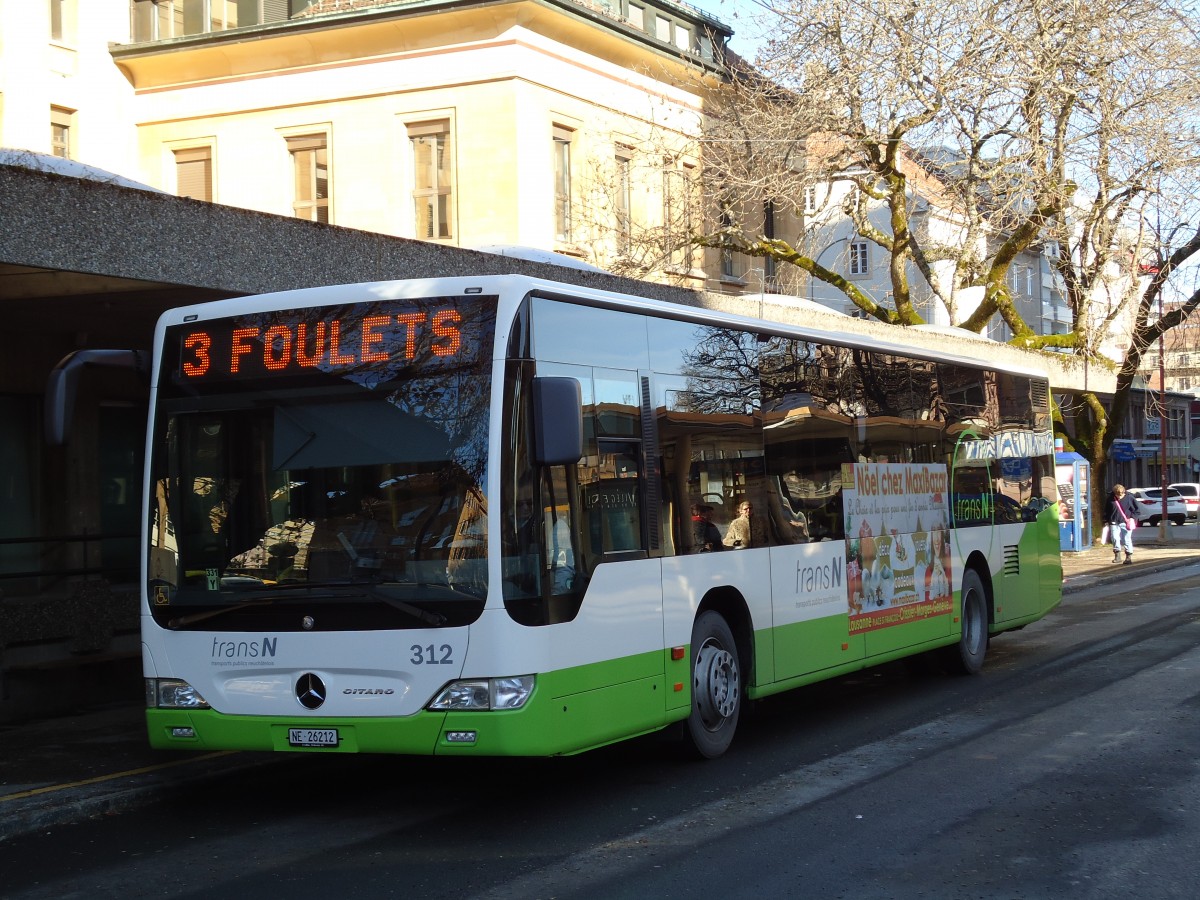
(1151, 553)
(58, 771)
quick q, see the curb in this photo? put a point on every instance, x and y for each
(1096, 578)
(42, 808)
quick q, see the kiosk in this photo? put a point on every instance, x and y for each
(1073, 473)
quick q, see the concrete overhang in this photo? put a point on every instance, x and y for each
(69, 245)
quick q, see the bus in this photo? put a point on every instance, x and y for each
(495, 515)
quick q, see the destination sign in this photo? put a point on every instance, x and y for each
(378, 340)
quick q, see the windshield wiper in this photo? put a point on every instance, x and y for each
(424, 615)
(180, 621)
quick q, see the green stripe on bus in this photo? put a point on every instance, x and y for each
(571, 710)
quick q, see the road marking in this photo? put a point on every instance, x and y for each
(102, 778)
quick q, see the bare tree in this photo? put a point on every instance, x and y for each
(969, 133)
(638, 207)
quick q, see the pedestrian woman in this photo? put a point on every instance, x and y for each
(1120, 512)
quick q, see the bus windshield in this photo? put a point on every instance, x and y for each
(341, 494)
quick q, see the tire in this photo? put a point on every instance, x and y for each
(1178, 520)
(1154, 520)
(716, 687)
(968, 654)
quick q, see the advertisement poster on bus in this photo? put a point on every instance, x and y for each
(897, 543)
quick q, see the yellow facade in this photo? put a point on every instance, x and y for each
(506, 85)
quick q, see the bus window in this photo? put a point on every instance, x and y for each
(712, 455)
(808, 431)
(888, 413)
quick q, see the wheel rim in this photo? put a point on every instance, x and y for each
(717, 685)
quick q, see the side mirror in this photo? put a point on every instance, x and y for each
(557, 421)
(63, 383)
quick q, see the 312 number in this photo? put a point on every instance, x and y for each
(429, 655)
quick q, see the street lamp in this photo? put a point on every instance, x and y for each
(1164, 254)
(1162, 422)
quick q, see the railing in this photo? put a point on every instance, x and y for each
(58, 549)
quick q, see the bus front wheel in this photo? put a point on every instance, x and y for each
(967, 655)
(716, 686)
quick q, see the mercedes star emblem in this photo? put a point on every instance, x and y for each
(310, 691)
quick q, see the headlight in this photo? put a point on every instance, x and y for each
(171, 693)
(481, 694)
(511, 693)
(462, 695)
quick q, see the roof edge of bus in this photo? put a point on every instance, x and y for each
(916, 341)
(724, 310)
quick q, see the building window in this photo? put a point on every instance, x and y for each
(662, 29)
(623, 199)
(157, 20)
(58, 14)
(683, 38)
(223, 14)
(193, 173)
(814, 197)
(562, 182)
(432, 191)
(679, 208)
(729, 267)
(637, 16)
(160, 20)
(858, 258)
(60, 131)
(310, 165)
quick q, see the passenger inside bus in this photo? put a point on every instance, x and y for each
(746, 530)
(705, 536)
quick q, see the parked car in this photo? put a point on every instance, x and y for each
(1149, 504)
(1190, 492)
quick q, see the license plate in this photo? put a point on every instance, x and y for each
(313, 737)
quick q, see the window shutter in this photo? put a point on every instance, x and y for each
(193, 173)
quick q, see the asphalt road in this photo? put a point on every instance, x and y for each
(1068, 769)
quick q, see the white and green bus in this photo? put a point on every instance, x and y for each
(506, 516)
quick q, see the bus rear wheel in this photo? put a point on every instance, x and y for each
(968, 654)
(716, 686)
